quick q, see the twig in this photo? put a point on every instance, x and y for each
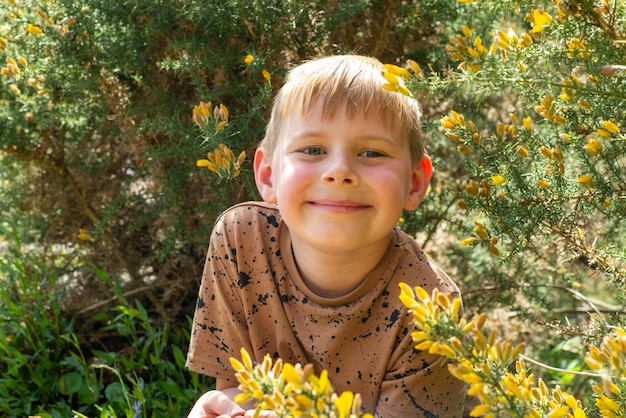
(556, 369)
(116, 298)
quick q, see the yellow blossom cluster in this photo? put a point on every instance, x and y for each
(610, 360)
(292, 390)
(546, 108)
(205, 115)
(222, 161)
(13, 70)
(577, 48)
(483, 361)
(568, 91)
(510, 40)
(467, 47)
(212, 120)
(437, 320)
(396, 77)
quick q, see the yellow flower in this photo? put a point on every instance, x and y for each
(585, 180)
(414, 66)
(398, 71)
(453, 136)
(344, 404)
(3, 43)
(547, 152)
(471, 188)
(543, 183)
(201, 112)
(266, 75)
(34, 29)
(577, 48)
(607, 406)
(391, 77)
(528, 123)
(468, 241)
(497, 180)
(248, 59)
(13, 87)
(84, 235)
(447, 122)
(480, 410)
(539, 20)
(522, 151)
(500, 129)
(565, 137)
(480, 230)
(611, 127)
(494, 250)
(593, 147)
(502, 39)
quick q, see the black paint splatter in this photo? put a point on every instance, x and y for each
(244, 279)
(395, 315)
(271, 219)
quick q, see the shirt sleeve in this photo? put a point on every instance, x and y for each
(219, 328)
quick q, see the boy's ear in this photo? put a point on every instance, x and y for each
(263, 175)
(420, 180)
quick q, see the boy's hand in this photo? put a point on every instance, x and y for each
(216, 404)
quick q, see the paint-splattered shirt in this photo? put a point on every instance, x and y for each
(252, 296)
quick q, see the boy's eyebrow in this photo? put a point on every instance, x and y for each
(322, 134)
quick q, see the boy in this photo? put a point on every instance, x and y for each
(311, 275)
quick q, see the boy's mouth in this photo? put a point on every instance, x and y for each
(339, 205)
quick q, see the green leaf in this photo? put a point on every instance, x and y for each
(115, 392)
(70, 383)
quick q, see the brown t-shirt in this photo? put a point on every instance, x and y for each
(252, 296)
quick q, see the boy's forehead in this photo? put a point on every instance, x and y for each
(308, 118)
(329, 109)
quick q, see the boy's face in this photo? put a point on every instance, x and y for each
(341, 183)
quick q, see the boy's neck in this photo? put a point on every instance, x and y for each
(332, 273)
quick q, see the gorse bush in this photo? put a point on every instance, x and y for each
(107, 108)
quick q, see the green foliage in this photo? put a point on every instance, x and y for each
(47, 371)
(41, 356)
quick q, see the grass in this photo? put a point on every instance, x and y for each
(49, 370)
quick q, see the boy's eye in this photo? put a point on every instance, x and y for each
(371, 154)
(312, 151)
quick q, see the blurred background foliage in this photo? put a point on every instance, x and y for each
(106, 107)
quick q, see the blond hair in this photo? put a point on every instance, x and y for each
(351, 83)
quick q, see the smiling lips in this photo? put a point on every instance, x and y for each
(339, 206)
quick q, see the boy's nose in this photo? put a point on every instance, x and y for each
(339, 171)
